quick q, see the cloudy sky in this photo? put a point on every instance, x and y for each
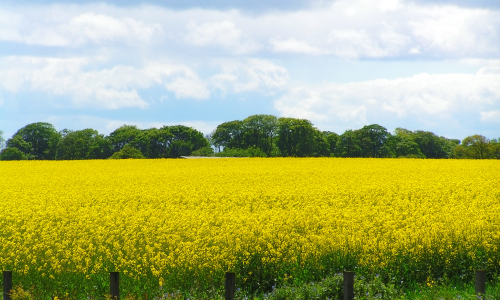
(343, 64)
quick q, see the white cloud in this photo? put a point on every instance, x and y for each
(189, 88)
(490, 116)
(112, 88)
(76, 30)
(489, 70)
(294, 46)
(456, 31)
(254, 75)
(343, 28)
(355, 43)
(420, 98)
(99, 28)
(223, 34)
(480, 62)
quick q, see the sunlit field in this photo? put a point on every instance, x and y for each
(179, 225)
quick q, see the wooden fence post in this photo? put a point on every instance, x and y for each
(7, 285)
(230, 285)
(480, 283)
(348, 285)
(114, 285)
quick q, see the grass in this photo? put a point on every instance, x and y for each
(329, 288)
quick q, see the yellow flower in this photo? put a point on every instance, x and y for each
(177, 218)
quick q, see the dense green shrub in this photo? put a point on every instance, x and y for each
(127, 152)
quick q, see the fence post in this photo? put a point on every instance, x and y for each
(230, 285)
(7, 285)
(114, 285)
(348, 285)
(480, 283)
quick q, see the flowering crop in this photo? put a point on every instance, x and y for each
(180, 224)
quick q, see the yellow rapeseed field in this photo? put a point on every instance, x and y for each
(183, 223)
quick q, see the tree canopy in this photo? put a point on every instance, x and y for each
(478, 147)
(36, 140)
(256, 135)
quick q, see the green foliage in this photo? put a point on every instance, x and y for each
(12, 154)
(169, 141)
(321, 145)
(36, 141)
(228, 135)
(185, 140)
(154, 143)
(18, 293)
(332, 139)
(123, 136)
(372, 141)
(431, 145)
(259, 131)
(19, 143)
(477, 147)
(329, 288)
(83, 144)
(296, 137)
(273, 137)
(250, 152)
(373, 287)
(205, 151)
(127, 152)
(348, 145)
(402, 146)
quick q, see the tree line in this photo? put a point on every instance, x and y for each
(41, 141)
(257, 135)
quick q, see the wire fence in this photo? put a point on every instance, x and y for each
(230, 285)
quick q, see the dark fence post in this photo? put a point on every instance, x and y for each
(7, 285)
(230, 285)
(348, 285)
(480, 283)
(114, 285)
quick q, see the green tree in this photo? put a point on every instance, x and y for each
(25, 147)
(12, 153)
(296, 137)
(126, 152)
(259, 131)
(100, 148)
(431, 145)
(228, 135)
(372, 139)
(348, 145)
(185, 140)
(495, 145)
(123, 136)
(403, 146)
(169, 141)
(476, 147)
(82, 144)
(36, 141)
(332, 139)
(153, 142)
(205, 151)
(321, 145)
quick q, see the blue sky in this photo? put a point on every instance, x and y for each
(420, 65)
